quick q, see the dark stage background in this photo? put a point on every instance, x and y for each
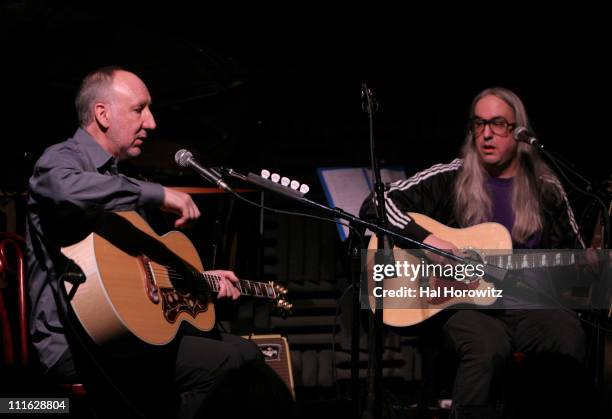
(254, 87)
(259, 87)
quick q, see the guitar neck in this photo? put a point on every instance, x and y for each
(533, 260)
(246, 287)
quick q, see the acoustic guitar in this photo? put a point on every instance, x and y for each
(489, 244)
(135, 284)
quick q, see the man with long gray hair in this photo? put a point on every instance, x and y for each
(496, 179)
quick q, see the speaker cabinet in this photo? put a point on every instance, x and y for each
(276, 353)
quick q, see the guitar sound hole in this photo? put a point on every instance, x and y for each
(473, 258)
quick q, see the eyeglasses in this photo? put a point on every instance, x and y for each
(498, 125)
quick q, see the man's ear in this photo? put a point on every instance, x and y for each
(102, 114)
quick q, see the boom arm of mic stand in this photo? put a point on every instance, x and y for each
(493, 272)
(337, 212)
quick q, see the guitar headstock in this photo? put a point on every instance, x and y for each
(281, 304)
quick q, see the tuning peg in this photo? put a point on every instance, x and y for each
(285, 305)
(304, 188)
(284, 308)
(265, 173)
(285, 181)
(275, 177)
(280, 289)
(295, 185)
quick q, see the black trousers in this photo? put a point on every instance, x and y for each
(485, 340)
(196, 376)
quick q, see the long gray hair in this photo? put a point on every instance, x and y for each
(473, 203)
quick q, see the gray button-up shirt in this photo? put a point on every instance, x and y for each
(72, 182)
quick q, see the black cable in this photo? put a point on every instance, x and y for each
(299, 214)
(333, 342)
(595, 325)
(586, 213)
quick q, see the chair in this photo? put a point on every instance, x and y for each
(12, 265)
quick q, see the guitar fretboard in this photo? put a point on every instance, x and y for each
(532, 260)
(246, 287)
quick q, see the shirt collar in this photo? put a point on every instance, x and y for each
(98, 155)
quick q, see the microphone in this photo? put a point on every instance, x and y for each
(184, 158)
(523, 135)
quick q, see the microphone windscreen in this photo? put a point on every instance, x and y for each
(182, 157)
(522, 134)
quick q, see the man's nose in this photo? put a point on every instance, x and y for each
(149, 122)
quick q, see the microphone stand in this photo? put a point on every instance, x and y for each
(337, 212)
(375, 321)
(491, 271)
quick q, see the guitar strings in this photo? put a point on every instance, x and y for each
(245, 289)
(213, 280)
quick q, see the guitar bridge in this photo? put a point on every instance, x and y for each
(150, 286)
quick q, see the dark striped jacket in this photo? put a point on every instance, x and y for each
(430, 192)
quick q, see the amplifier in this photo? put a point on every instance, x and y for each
(276, 353)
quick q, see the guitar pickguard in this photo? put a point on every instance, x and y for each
(175, 302)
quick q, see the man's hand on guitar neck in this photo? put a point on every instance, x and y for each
(440, 244)
(227, 287)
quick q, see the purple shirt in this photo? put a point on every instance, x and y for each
(501, 194)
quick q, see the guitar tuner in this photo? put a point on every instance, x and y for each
(284, 308)
(285, 305)
(280, 290)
